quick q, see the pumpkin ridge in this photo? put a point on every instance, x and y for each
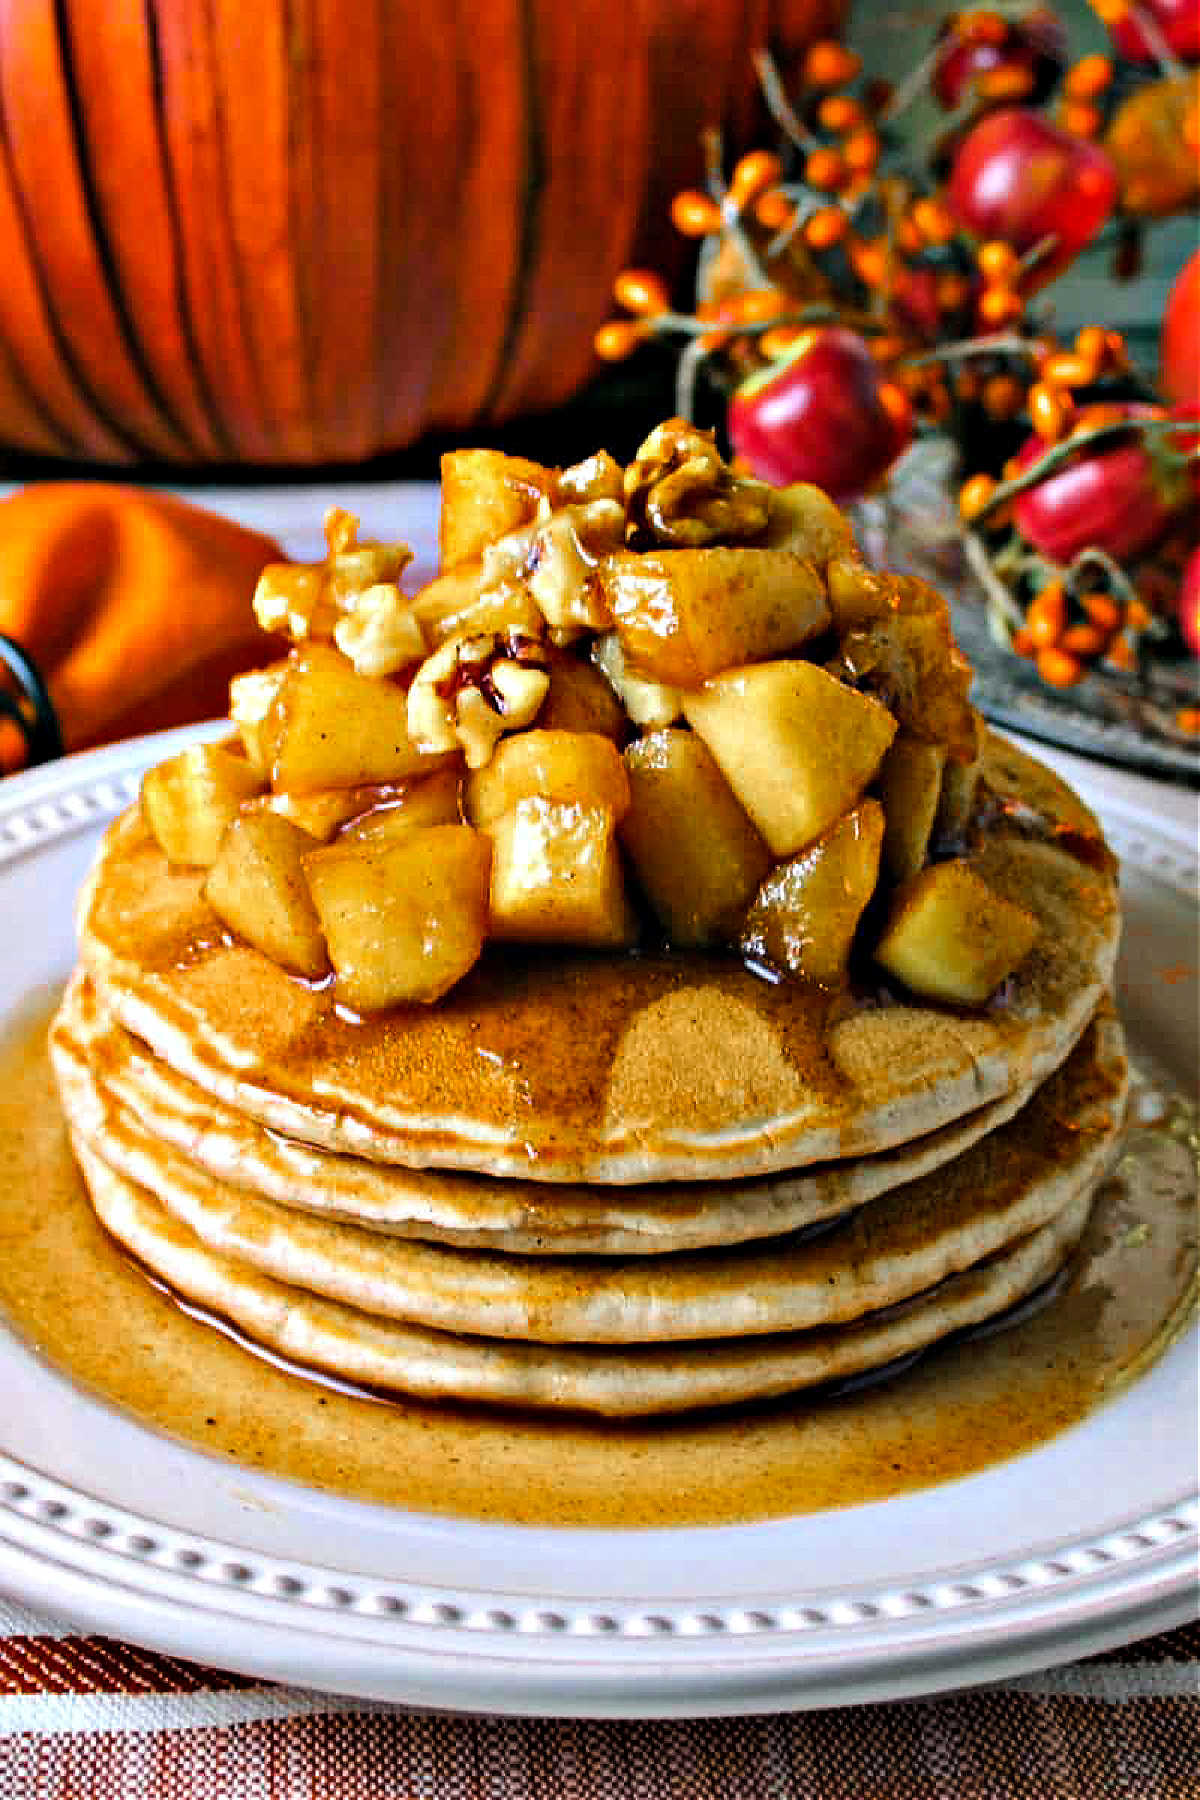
(18, 403)
(104, 256)
(533, 188)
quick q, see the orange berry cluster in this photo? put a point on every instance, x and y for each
(1065, 634)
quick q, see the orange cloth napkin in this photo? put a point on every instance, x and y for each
(135, 607)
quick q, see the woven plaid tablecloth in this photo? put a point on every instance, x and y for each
(87, 1718)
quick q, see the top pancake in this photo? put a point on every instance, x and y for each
(568, 1067)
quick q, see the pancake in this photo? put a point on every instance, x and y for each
(621, 1382)
(480, 1211)
(1006, 1187)
(608, 1069)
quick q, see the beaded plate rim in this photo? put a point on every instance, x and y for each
(110, 1567)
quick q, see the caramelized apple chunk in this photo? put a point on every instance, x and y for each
(330, 727)
(951, 937)
(406, 922)
(485, 495)
(694, 851)
(796, 746)
(257, 887)
(433, 800)
(580, 698)
(189, 800)
(566, 766)
(909, 658)
(251, 697)
(910, 786)
(683, 615)
(803, 519)
(806, 912)
(557, 876)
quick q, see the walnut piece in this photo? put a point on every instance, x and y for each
(474, 689)
(379, 632)
(681, 493)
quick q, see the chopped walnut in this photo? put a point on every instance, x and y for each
(681, 493)
(290, 598)
(308, 600)
(379, 632)
(562, 563)
(474, 689)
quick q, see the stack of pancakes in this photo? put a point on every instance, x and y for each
(626, 1184)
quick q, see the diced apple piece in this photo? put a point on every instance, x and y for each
(911, 660)
(858, 594)
(406, 922)
(646, 702)
(949, 936)
(794, 744)
(484, 495)
(580, 699)
(330, 727)
(807, 910)
(695, 852)
(189, 800)
(553, 765)
(804, 519)
(960, 779)
(468, 602)
(251, 697)
(683, 615)
(431, 801)
(557, 876)
(324, 811)
(258, 888)
(910, 785)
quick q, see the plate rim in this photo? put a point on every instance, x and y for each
(106, 1568)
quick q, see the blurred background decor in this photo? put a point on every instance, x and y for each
(299, 234)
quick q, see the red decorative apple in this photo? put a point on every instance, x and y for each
(1117, 497)
(1020, 178)
(1179, 346)
(821, 413)
(976, 44)
(1178, 24)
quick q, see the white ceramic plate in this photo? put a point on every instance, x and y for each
(1081, 1545)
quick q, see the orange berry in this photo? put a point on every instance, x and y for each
(826, 227)
(1023, 643)
(1187, 719)
(1081, 118)
(1046, 617)
(1005, 83)
(619, 339)
(755, 306)
(1089, 77)
(1137, 615)
(968, 385)
(1050, 411)
(825, 170)
(694, 214)
(1190, 129)
(982, 27)
(869, 262)
(642, 292)
(1011, 469)
(885, 349)
(908, 238)
(715, 340)
(1092, 346)
(830, 64)
(1058, 668)
(934, 221)
(951, 292)
(974, 495)
(840, 112)
(752, 175)
(773, 210)
(938, 406)
(1068, 369)
(1003, 396)
(896, 405)
(861, 150)
(1086, 641)
(780, 338)
(998, 263)
(1000, 306)
(1102, 610)
(1110, 12)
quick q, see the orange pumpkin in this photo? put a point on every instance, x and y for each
(304, 232)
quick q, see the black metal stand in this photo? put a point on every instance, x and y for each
(30, 708)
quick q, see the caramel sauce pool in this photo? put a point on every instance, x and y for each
(71, 1292)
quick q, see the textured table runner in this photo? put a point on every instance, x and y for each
(88, 1718)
